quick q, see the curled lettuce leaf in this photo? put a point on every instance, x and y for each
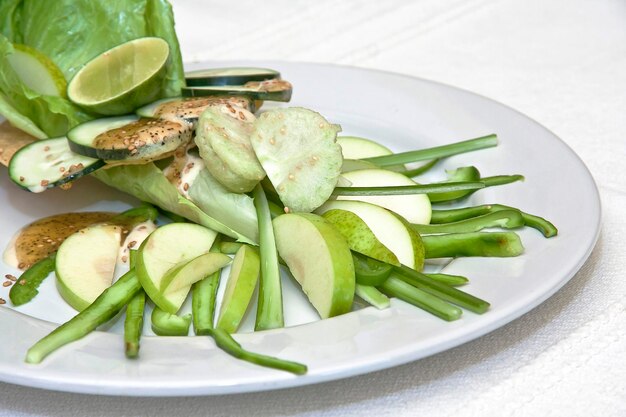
(228, 213)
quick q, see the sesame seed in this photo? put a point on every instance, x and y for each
(2, 301)
(46, 148)
(44, 183)
(7, 283)
(132, 244)
(186, 187)
(10, 277)
(22, 179)
(124, 259)
(22, 282)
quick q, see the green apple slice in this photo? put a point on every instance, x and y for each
(415, 208)
(242, 280)
(85, 264)
(188, 273)
(319, 258)
(392, 231)
(359, 236)
(165, 248)
(37, 71)
(354, 147)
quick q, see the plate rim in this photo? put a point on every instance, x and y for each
(101, 386)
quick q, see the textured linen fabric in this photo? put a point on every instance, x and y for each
(562, 63)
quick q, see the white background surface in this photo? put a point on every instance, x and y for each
(562, 63)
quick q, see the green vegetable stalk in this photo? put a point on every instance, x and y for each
(498, 244)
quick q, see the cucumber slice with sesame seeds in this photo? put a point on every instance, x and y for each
(227, 129)
(188, 110)
(270, 90)
(298, 150)
(229, 76)
(49, 163)
(128, 138)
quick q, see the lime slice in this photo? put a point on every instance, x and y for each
(37, 71)
(123, 78)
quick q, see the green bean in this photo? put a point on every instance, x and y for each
(530, 220)
(410, 189)
(25, 288)
(372, 296)
(133, 322)
(166, 324)
(103, 309)
(225, 341)
(452, 280)
(395, 287)
(269, 314)
(496, 244)
(438, 289)
(201, 306)
(506, 219)
(203, 296)
(435, 152)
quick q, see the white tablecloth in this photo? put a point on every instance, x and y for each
(562, 63)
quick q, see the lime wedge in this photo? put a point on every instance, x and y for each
(123, 78)
(37, 71)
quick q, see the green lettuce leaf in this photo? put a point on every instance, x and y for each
(234, 217)
(70, 33)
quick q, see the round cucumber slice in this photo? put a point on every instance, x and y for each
(270, 90)
(122, 78)
(128, 138)
(49, 163)
(37, 71)
(229, 76)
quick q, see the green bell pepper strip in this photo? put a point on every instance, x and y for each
(496, 244)
(506, 219)
(372, 296)
(458, 214)
(25, 288)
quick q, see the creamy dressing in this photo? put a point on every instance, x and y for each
(133, 240)
(43, 237)
(183, 171)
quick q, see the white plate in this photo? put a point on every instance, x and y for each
(405, 113)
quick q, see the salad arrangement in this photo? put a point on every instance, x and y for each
(278, 189)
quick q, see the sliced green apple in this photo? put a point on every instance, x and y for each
(392, 231)
(415, 208)
(354, 147)
(359, 236)
(242, 280)
(319, 258)
(37, 71)
(188, 273)
(85, 264)
(164, 249)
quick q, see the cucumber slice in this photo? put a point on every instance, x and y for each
(298, 150)
(229, 76)
(227, 130)
(128, 138)
(270, 90)
(164, 249)
(49, 163)
(416, 208)
(353, 147)
(242, 280)
(188, 110)
(85, 263)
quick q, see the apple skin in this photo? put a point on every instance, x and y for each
(188, 273)
(319, 258)
(242, 280)
(359, 236)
